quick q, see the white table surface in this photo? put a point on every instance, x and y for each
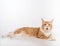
(25, 42)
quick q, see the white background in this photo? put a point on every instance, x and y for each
(19, 13)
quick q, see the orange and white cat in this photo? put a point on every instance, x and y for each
(43, 32)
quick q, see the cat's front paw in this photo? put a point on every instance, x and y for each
(52, 39)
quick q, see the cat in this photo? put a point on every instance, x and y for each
(43, 32)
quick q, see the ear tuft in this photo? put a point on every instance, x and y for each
(52, 20)
(42, 19)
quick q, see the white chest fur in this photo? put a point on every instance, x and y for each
(46, 33)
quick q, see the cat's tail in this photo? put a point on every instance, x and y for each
(8, 35)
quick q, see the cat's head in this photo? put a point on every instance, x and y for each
(46, 25)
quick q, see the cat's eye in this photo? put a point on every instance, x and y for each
(44, 24)
(49, 24)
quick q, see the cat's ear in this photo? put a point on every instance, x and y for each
(42, 19)
(52, 20)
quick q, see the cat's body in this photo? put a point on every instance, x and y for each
(31, 31)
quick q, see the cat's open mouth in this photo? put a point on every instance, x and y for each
(46, 28)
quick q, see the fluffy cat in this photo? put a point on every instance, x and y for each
(43, 32)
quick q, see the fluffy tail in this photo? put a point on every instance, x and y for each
(8, 35)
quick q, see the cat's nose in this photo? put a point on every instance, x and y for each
(47, 26)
